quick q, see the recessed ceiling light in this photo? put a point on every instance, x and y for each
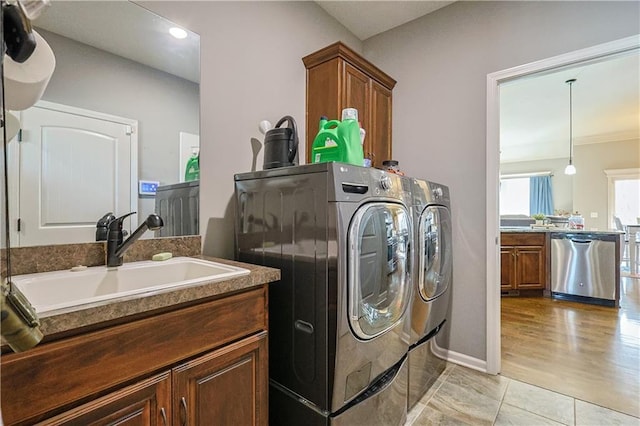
(178, 32)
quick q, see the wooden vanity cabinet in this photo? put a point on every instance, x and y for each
(147, 403)
(338, 78)
(523, 261)
(198, 365)
(225, 386)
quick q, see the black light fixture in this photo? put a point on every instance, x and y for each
(570, 169)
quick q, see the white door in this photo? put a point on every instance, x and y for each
(73, 168)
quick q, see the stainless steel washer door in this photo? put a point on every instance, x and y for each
(435, 254)
(379, 271)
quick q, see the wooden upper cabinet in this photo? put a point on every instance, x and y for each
(338, 78)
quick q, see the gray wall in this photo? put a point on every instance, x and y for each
(562, 185)
(251, 70)
(441, 62)
(163, 104)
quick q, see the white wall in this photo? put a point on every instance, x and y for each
(586, 191)
(590, 182)
(441, 62)
(251, 70)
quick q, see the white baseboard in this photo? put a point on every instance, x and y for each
(458, 358)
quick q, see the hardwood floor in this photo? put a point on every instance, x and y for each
(585, 351)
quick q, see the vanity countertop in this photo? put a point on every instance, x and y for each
(88, 315)
(519, 229)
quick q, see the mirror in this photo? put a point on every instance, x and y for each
(119, 116)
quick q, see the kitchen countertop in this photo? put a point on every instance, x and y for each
(512, 229)
(88, 315)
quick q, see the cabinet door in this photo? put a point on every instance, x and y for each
(147, 403)
(356, 94)
(530, 268)
(378, 139)
(225, 387)
(323, 97)
(507, 268)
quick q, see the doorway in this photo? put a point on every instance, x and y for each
(594, 54)
(494, 80)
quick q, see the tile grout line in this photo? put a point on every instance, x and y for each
(502, 400)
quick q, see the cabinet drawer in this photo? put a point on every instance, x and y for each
(522, 239)
(92, 363)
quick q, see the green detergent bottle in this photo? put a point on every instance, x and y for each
(339, 140)
(192, 171)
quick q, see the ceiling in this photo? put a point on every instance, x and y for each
(535, 113)
(128, 30)
(368, 18)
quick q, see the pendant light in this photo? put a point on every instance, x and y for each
(570, 169)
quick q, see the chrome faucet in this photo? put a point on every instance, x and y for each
(116, 247)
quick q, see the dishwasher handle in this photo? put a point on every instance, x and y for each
(581, 241)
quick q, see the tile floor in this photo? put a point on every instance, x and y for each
(462, 396)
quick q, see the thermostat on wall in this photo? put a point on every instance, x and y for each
(147, 187)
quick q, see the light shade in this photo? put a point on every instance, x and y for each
(25, 82)
(570, 169)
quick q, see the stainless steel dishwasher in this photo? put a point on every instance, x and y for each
(583, 267)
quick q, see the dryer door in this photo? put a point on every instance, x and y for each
(379, 271)
(435, 260)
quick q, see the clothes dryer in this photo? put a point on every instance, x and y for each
(341, 237)
(432, 277)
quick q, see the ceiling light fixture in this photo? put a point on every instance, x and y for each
(570, 169)
(178, 33)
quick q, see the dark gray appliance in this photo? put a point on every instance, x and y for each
(340, 234)
(179, 205)
(432, 277)
(281, 145)
(583, 267)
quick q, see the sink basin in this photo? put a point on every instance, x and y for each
(59, 290)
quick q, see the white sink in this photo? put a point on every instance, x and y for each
(59, 290)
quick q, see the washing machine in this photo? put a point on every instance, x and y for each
(432, 277)
(341, 237)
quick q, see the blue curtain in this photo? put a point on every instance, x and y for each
(540, 195)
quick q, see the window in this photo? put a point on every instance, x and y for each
(626, 204)
(514, 196)
(624, 195)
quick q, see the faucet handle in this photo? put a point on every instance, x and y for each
(102, 226)
(104, 220)
(115, 224)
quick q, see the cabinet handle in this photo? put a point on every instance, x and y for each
(163, 413)
(183, 411)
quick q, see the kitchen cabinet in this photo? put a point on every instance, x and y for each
(523, 261)
(199, 363)
(338, 78)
